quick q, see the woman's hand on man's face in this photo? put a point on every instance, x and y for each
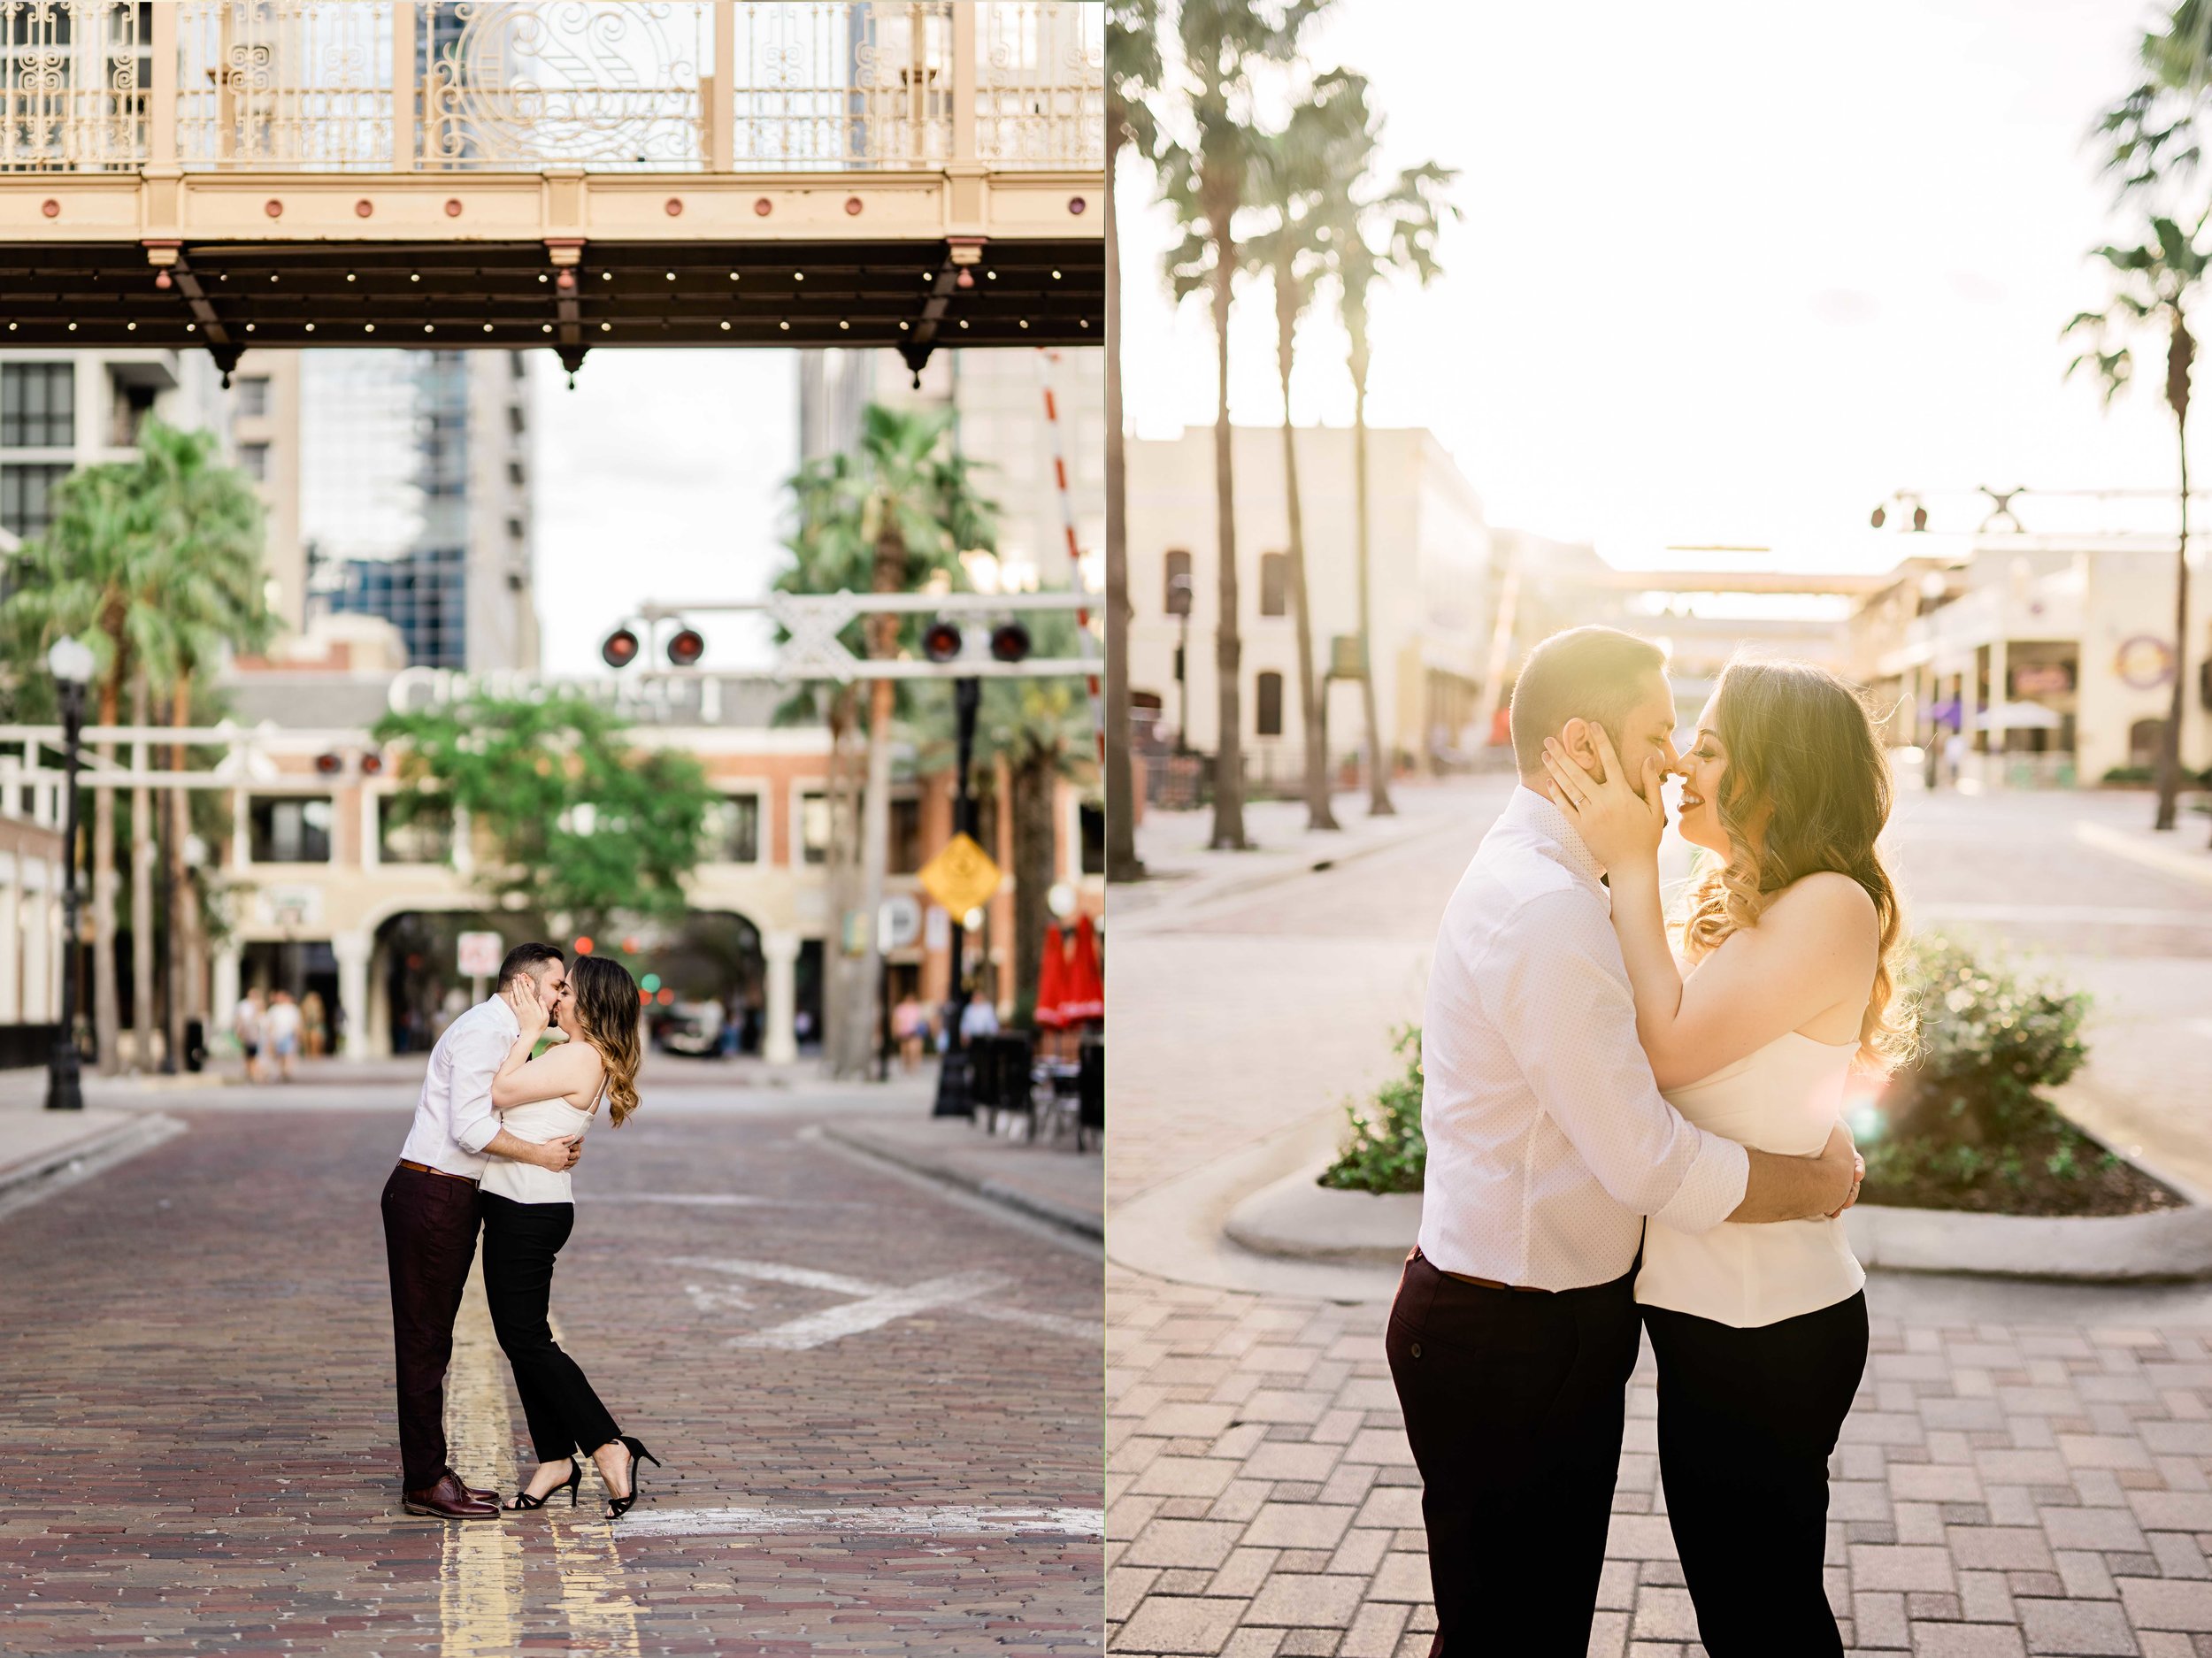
(1621, 827)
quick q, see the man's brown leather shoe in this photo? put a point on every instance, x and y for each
(449, 1499)
(482, 1493)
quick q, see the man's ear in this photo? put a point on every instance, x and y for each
(1577, 737)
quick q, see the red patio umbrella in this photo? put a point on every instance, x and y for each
(1051, 980)
(1083, 992)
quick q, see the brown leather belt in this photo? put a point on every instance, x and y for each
(424, 1167)
(1486, 1284)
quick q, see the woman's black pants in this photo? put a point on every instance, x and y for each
(520, 1241)
(1747, 1421)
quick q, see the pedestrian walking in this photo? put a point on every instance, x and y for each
(245, 1024)
(314, 1024)
(281, 1028)
(431, 1209)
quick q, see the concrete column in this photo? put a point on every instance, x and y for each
(11, 941)
(37, 922)
(53, 944)
(352, 951)
(378, 1020)
(224, 1001)
(780, 1042)
(241, 835)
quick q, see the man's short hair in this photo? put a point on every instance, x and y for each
(522, 958)
(1594, 674)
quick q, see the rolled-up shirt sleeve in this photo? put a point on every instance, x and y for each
(475, 1061)
(1557, 994)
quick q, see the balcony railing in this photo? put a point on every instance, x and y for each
(631, 84)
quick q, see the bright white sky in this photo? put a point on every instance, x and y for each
(1723, 276)
(661, 477)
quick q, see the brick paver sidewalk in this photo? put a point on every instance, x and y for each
(2001, 1489)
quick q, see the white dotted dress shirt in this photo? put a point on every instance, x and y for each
(1547, 1141)
(454, 1118)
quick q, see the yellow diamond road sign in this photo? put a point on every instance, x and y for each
(960, 877)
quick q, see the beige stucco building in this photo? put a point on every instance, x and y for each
(1431, 587)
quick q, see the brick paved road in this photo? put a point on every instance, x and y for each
(2025, 1470)
(196, 1416)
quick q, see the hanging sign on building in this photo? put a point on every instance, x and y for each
(961, 877)
(2145, 662)
(479, 955)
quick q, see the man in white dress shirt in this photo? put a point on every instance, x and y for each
(430, 1218)
(1514, 1327)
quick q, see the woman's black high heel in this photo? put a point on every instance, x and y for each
(524, 1499)
(617, 1507)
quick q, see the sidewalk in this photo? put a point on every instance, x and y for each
(1054, 1183)
(1183, 874)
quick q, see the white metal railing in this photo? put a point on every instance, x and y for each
(74, 79)
(525, 85)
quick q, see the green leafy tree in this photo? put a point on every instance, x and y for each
(155, 562)
(1203, 171)
(1371, 229)
(2153, 285)
(581, 824)
(909, 498)
(1132, 75)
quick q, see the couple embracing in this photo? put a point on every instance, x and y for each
(1623, 1138)
(498, 1127)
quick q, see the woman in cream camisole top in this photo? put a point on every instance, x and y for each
(1782, 988)
(528, 1213)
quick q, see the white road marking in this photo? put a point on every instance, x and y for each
(953, 1520)
(871, 1304)
(872, 1312)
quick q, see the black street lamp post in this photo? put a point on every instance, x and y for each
(70, 662)
(953, 1099)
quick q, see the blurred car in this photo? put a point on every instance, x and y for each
(688, 1027)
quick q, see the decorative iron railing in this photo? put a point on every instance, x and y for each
(518, 86)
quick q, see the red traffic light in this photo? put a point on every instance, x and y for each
(941, 641)
(329, 764)
(1009, 642)
(371, 763)
(686, 646)
(619, 649)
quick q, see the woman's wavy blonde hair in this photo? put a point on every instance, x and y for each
(1807, 788)
(606, 1016)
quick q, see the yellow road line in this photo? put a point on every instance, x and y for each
(480, 1596)
(602, 1617)
(480, 1589)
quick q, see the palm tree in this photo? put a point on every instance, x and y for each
(83, 576)
(1369, 234)
(1040, 731)
(913, 504)
(2152, 284)
(1292, 173)
(1222, 42)
(2154, 149)
(153, 561)
(210, 595)
(1132, 73)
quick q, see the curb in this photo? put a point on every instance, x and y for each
(2167, 860)
(1088, 1227)
(1185, 906)
(1292, 1218)
(36, 1177)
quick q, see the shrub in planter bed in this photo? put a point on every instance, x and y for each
(1385, 1150)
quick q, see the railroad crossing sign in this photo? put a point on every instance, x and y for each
(961, 876)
